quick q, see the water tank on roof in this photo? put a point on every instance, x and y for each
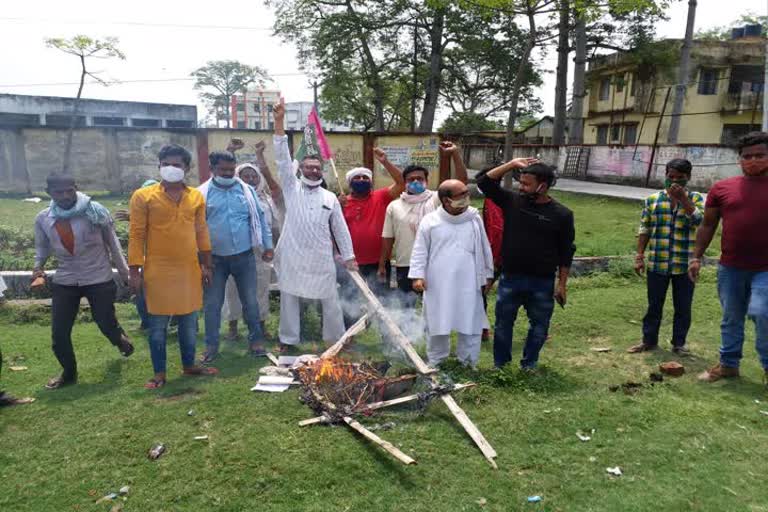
(737, 33)
(755, 30)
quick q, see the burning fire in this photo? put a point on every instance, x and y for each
(336, 370)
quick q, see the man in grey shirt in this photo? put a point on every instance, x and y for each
(80, 233)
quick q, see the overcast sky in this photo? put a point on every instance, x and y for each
(155, 52)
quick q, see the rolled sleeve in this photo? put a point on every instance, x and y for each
(697, 216)
(645, 220)
(42, 243)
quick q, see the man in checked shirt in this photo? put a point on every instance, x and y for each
(668, 231)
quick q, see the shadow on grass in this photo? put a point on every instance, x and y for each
(544, 380)
(67, 394)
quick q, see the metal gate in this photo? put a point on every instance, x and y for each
(576, 161)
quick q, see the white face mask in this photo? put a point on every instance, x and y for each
(309, 182)
(171, 174)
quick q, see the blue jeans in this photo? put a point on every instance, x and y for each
(158, 334)
(242, 267)
(141, 308)
(682, 299)
(742, 294)
(536, 295)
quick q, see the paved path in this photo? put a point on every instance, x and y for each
(603, 189)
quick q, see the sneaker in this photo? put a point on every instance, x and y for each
(641, 347)
(718, 372)
(681, 351)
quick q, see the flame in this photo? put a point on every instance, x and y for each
(335, 370)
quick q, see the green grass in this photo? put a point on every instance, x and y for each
(682, 445)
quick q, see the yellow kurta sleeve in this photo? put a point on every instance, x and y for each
(137, 238)
(201, 227)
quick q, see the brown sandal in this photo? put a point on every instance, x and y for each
(642, 347)
(154, 384)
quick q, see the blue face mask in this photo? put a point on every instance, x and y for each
(416, 187)
(224, 182)
(360, 186)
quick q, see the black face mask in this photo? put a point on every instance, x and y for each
(532, 196)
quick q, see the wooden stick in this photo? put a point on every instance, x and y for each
(357, 328)
(397, 334)
(381, 405)
(405, 344)
(386, 445)
(471, 429)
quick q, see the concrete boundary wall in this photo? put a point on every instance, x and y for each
(118, 160)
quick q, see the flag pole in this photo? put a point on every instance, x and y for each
(336, 175)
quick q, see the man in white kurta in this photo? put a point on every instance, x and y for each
(451, 264)
(304, 260)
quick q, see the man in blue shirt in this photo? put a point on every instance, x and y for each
(237, 226)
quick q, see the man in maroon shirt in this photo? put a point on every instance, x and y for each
(742, 278)
(364, 211)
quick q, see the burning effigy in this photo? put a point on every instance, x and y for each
(338, 390)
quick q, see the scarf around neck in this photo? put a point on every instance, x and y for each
(482, 248)
(93, 211)
(422, 204)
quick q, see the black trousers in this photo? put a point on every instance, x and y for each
(64, 309)
(405, 293)
(682, 300)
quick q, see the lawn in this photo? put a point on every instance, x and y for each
(681, 444)
(604, 227)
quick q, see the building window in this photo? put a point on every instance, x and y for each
(10, 119)
(63, 120)
(241, 125)
(145, 123)
(179, 124)
(633, 85)
(615, 133)
(732, 133)
(605, 89)
(630, 134)
(108, 121)
(708, 81)
(619, 83)
(240, 107)
(602, 134)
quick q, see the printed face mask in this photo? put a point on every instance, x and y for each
(668, 183)
(460, 204)
(171, 174)
(416, 187)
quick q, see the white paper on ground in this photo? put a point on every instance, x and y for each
(270, 388)
(286, 360)
(269, 379)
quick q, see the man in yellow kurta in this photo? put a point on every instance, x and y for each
(169, 255)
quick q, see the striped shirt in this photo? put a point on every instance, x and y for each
(672, 232)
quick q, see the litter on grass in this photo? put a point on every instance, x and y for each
(534, 499)
(614, 471)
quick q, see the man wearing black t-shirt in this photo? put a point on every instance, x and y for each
(537, 244)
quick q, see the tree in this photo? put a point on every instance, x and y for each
(224, 79)
(561, 81)
(345, 40)
(480, 69)
(615, 25)
(84, 48)
(467, 122)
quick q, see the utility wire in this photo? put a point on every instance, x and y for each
(131, 23)
(118, 82)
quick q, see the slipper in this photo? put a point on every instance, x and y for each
(154, 384)
(200, 370)
(208, 357)
(59, 382)
(126, 348)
